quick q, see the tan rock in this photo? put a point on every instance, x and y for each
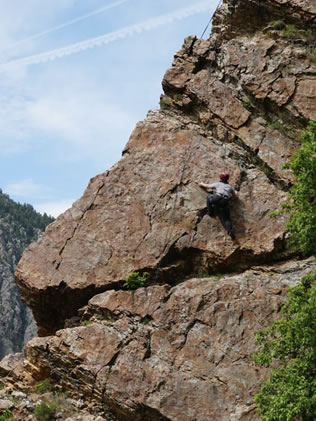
(220, 99)
(305, 98)
(147, 211)
(178, 354)
(135, 214)
(5, 404)
(282, 90)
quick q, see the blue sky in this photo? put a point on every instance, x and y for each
(76, 77)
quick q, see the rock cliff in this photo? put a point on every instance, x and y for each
(235, 102)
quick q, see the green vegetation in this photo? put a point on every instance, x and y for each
(302, 198)
(23, 219)
(43, 386)
(177, 97)
(6, 415)
(311, 54)
(290, 392)
(165, 103)
(248, 105)
(276, 125)
(45, 411)
(290, 344)
(302, 203)
(310, 34)
(135, 280)
(208, 126)
(277, 24)
(280, 126)
(86, 322)
(291, 32)
(285, 129)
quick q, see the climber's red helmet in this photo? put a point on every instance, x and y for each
(224, 176)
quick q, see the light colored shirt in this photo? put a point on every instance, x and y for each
(223, 188)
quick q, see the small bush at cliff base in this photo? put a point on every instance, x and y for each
(291, 32)
(302, 203)
(290, 392)
(45, 411)
(6, 415)
(43, 386)
(135, 280)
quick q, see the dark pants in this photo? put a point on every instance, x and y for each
(218, 205)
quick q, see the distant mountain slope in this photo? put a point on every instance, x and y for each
(19, 226)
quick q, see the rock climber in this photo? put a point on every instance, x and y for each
(219, 202)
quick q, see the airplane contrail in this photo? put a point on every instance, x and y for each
(126, 32)
(66, 24)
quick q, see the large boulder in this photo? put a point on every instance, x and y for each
(147, 211)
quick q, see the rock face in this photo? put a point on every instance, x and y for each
(236, 102)
(136, 218)
(161, 353)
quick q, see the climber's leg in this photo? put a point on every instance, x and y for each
(227, 220)
(211, 202)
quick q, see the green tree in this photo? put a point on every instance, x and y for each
(302, 203)
(24, 221)
(290, 392)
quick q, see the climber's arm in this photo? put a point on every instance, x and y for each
(206, 187)
(234, 195)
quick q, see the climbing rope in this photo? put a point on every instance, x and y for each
(209, 22)
(186, 159)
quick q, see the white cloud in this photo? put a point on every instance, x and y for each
(85, 121)
(27, 188)
(71, 119)
(14, 106)
(54, 208)
(18, 18)
(126, 32)
(66, 24)
(79, 117)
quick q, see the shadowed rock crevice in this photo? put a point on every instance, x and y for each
(61, 303)
(140, 413)
(230, 19)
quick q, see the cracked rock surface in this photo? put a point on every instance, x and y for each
(161, 353)
(235, 102)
